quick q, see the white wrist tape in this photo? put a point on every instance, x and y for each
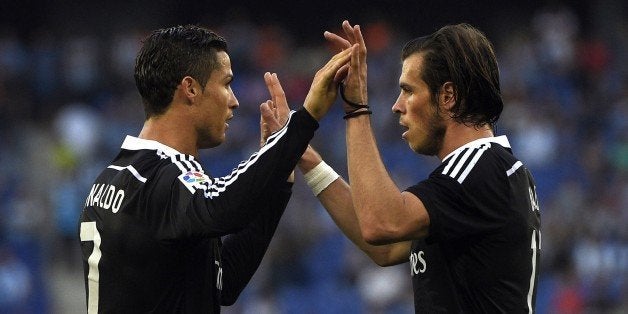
(320, 177)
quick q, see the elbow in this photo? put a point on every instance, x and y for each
(373, 238)
(378, 235)
(385, 255)
(383, 262)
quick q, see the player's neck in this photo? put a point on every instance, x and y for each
(168, 130)
(458, 135)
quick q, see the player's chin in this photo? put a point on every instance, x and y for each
(213, 142)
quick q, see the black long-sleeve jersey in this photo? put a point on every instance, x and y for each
(158, 234)
(483, 248)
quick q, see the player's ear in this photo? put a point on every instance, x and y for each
(447, 95)
(190, 88)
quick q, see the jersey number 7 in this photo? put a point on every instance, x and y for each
(89, 232)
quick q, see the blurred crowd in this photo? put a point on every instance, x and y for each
(66, 103)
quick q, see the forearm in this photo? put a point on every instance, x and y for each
(376, 198)
(336, 199)
(233, 197)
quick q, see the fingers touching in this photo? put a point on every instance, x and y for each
(353, 36)
(354, 74)
(341, 42)
(346, 66)
(323, 91)
(349, 31)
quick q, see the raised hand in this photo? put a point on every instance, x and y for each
(324, 87)
(268, 121)
(355, 83)
(274, 112)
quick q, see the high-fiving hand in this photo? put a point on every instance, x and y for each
(355, 83)
(324, 87)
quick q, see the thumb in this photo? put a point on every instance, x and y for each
(266, 111)
(269, 116)
(341, 74)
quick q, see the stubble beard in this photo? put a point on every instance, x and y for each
(209, 140)
(435, 136)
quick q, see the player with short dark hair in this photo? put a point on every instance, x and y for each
(158, 233)
(167, 55)
(471, 229)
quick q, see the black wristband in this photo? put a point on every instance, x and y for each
(341, 89)
(356, 113)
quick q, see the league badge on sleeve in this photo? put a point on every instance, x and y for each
(194, 180)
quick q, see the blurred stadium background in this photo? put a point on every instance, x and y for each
(67, 99)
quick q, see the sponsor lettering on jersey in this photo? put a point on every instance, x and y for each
(416, 258)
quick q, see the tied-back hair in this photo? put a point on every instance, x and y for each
(461, 54)
(170, 54)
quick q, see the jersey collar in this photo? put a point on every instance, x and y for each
(501, 140)
(136, 143)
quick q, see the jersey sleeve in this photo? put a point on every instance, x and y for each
(242, 252)
(199, 205)
(463, 209)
